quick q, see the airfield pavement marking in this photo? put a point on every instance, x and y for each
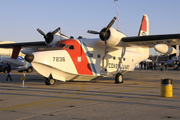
(127, 100)
(24, 118)
(42, 101)
(52, 101)
(107, 100)
(82, 101)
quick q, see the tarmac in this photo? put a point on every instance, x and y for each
(138, 98)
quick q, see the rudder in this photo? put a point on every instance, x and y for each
(144, 28)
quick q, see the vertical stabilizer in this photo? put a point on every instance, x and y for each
(144, 28)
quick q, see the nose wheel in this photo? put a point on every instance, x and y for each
(119, 78)
(49, 81)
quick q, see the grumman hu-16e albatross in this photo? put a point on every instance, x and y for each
(90, 59)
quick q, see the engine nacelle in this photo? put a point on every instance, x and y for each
(53, 39)
(114, 37)
(165, 49)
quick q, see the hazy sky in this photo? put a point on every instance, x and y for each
(19, 19)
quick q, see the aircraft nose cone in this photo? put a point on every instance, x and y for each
(29, 57)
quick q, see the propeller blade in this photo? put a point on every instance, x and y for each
(41, 32)
(111, 23)
(55, 31)
(92, 32)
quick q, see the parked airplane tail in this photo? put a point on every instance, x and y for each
(144, 28)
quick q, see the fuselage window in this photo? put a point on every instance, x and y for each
(71, 47)
(67, 46)
(62, 45)
(124, 59)
(90, 55)
(98, 56)
(114, 58)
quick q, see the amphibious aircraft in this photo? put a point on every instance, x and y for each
(81, 59)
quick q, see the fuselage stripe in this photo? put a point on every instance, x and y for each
(91, 61)
(78, 56)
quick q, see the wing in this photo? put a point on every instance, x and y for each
(151, 40)
(16, 49)
(23, 44)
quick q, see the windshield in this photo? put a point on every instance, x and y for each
(61, 45)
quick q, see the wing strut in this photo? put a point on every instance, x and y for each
(120, 60)
(15, 53)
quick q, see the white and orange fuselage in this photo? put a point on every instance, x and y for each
(77, 60)
(86, 59)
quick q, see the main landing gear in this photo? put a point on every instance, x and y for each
(119, 78)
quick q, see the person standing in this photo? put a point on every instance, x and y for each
(154, 66)
(165, 65)
(9, 72)
(145, 65)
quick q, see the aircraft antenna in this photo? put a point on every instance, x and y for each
(117, 13)
(84, 36)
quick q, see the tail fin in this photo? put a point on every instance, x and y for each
(144, 29)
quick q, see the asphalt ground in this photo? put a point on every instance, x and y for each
(138, 98)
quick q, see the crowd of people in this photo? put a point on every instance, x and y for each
(152, 66)
(147, 65)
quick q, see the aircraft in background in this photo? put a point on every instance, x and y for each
(26, 67)
(173, 62)
(111, 54)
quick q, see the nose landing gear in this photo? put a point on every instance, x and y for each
(50, 80)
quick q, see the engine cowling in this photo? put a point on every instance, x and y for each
(113, 37)
(165, 49)
(52, 39)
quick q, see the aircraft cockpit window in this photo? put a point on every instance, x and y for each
(67, 46)
(62, 45)
(56, 45)
(71, 47)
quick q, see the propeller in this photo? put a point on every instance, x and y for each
(93, 32)
(49, 36)
(104, 34)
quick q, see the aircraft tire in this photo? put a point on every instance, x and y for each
(29, 70)
(49, 81)
(119, 78)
